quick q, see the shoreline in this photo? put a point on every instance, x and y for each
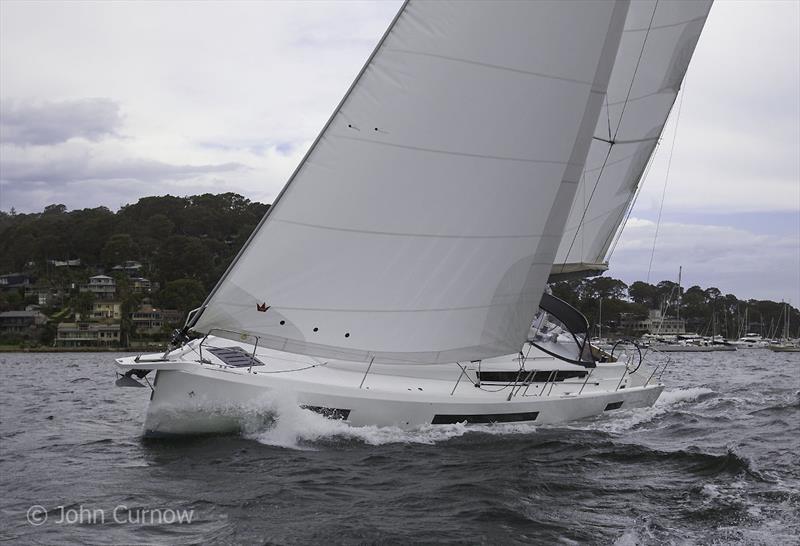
(150, 349)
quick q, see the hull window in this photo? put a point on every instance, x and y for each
(613, 406)
(330, 413)
(486, 418)
(537, 377)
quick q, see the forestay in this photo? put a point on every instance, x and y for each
(659, 40)
(422, 225)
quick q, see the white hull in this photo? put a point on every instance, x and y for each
(190, 397)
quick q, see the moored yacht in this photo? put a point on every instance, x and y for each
(750, 341)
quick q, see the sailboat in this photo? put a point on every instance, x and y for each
(785, 345)
(400, 277)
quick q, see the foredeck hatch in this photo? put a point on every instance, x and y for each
(235, 357)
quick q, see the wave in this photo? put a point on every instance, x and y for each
(623, 421)
(790, 406)
(281, 422)
(297, 428)
(669, 398)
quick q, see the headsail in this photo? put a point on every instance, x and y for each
(658, 42)
(423, 222)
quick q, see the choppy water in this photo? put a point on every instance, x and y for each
(717, 460)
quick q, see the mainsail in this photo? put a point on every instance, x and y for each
(423, 223)
(658, 42)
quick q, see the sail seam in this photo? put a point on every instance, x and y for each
(670, 25)
(463, 154)
(516, 301)
(666, 90)
(490, 65)
(634, 141)
(423, 235)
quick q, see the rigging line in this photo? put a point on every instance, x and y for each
(608, 117)
(629, 210)
(586, 208)
(666, 179)
(613, 139)
(641, 183)
(635, 70)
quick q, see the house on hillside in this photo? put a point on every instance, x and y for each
(65, 263)
(140, 285)
(20, 322)
(102, 286)
(149, 320)
(130, 268)
(656, 323)
(46, 296)
(106, 310)
(87, 334)
(15, 281)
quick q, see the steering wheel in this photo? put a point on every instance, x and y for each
(632, 357)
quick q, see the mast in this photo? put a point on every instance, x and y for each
(680, 295)
(788, 314)
(600, 321)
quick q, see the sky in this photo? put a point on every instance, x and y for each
(103, 103)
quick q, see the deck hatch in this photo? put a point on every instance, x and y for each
(485, 418)
(613, 405)
(235, 357)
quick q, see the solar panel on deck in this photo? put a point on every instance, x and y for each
(235, 357)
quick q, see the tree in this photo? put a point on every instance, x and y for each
(568, 291)
(183, 257)
(160, 227)
(713, 293)
(644, 294)
(183, 295)
(604, 288)
(119, 248)
(55, 209)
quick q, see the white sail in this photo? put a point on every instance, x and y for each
(658, 42)
(424, 221)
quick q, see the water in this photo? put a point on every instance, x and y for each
(717, 460)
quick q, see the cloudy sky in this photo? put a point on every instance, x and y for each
(102, 103)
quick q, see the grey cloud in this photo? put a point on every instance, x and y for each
(283, 147)
(41, 123)
(150, 170)
(734, 259)
(79, 167)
